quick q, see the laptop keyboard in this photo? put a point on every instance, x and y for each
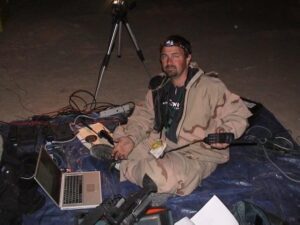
(73, 189)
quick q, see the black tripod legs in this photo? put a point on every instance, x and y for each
(106, 58)
(138, 50)
(117, 28)
(119, 39)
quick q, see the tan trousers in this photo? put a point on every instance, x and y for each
(174, 173)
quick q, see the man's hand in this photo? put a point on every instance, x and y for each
(220, 145)
(124, 145)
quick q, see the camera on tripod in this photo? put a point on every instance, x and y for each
(120, 7)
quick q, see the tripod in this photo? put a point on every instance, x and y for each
(119, 19)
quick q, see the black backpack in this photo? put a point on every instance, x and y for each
(18, 191)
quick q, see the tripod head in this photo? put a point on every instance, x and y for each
(120, 7)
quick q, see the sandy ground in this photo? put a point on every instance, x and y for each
(49, 49)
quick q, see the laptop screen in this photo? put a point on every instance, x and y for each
(48, 175)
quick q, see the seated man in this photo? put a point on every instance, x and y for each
(182, 105)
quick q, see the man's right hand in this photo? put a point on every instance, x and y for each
(123, 147)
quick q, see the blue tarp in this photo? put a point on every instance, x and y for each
(250, 175)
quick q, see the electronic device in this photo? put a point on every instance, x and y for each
(123, 211)
(219, 138)
(212, 138)
(76, 190)
(125, 109)
(156, 216)
(95, 134)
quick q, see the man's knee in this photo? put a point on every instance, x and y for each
(164, 177)
(168, 175)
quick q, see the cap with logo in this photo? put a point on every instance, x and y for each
(179, 41)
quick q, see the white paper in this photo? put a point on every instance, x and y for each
(184, 221)
(214, 212)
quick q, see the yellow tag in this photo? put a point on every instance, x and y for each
(158, 143)
(157, 148)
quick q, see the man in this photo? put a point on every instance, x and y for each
(182, 105)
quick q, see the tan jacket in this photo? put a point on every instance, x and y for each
(208, 105)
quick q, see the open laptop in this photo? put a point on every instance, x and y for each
(76, 190)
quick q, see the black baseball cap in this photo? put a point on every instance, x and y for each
(179, 41)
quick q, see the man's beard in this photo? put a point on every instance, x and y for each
(171, 71)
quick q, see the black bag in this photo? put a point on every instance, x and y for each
(247, 213)
(18, 191)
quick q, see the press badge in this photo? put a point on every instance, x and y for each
(157, 148)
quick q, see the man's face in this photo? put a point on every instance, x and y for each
(174, 62)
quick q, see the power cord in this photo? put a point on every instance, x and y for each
(277, 167)
(82, 95)
(279, 144)
(81, 102)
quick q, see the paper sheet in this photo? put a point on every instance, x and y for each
(214, 212)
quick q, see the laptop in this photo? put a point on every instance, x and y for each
(76, 190)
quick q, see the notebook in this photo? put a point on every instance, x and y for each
(75, 190)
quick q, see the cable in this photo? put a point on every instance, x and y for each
(19, 96)
(259, 126)
(164, 82)
(146, 69)
(64, 142)
(281, 147)
(27, 178)
(277, 167)
(277, 143)
(20, 100)
(87, 106)
(80, 116)
(80, 102)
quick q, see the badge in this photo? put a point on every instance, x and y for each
(157, 148)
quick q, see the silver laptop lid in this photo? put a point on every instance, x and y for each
(48, 175)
